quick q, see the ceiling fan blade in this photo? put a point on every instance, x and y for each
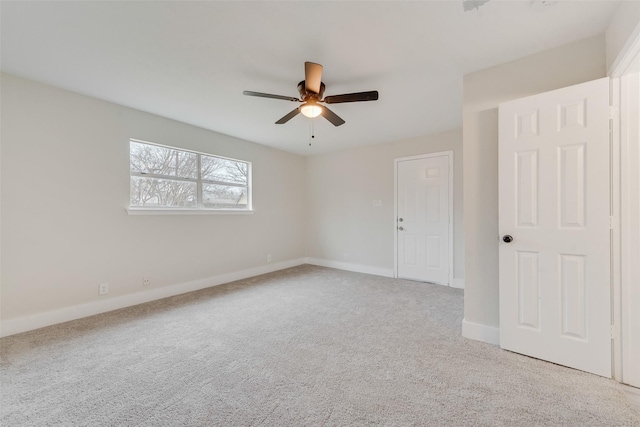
(288, 117)
(352, 97)
(268, 95)
(331, 116)
(312, 76)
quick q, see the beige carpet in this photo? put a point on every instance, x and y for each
(308, 346)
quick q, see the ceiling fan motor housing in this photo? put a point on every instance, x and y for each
(307, 95)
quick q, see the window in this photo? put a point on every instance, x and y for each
(169, 178)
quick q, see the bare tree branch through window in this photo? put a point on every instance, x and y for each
(164, 177)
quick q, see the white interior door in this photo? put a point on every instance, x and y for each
(554, 202)
(423, 219)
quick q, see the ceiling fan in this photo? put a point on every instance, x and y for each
(311, 90)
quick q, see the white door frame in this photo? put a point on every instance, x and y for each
(628, 61)
(449, 154)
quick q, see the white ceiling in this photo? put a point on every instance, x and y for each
(190, 61)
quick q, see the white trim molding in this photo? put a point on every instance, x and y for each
(632, 394)
(625, 84)
(358, 268)
(48, 318)
(457, 283)
(475, 331)
(628, 243)
(169, 211)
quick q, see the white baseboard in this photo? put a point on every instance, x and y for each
(358, 268)
(632, 394)
(48, 318)
(457, 283)
(475, 331)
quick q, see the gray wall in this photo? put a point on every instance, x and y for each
(341, 187)
(483, 90)
(65, 186)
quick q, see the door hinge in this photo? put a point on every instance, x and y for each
(614, 222)
(615, 332)
(613, 112)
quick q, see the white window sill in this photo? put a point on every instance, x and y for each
(169, 211)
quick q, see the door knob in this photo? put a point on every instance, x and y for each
(507, 239)
(400, 228)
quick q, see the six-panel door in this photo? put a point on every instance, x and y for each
(554, 202)
(423, 219)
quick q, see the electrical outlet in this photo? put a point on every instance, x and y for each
(146, 281)
(269, 258)
(103, 289)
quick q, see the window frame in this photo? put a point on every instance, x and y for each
(200, 208)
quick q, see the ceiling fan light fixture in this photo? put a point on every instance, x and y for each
(311, 109)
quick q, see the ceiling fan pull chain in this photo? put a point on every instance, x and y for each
(313, 131)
